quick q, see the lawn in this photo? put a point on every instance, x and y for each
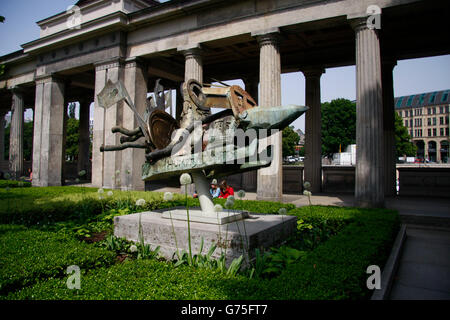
(44, 230)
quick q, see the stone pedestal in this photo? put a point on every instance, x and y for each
(16, 135)
(237, 238)
(270, 178)
(369, 187)
(48, 141)
(313, 128)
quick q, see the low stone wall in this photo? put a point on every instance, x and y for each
(338, 179)
(424, 181)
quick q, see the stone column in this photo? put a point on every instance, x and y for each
(369, 186)
(179, 103)
(48, 140)
(106, 166)
(193, 64)
(16, 135)
(270, 179)
(2, 134)
(390, 171)
(193, 70)
(135, 81)
(251, 86)
(313, 135)
(84, 142)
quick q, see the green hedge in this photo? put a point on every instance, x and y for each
(30, 255)
(336, 269)
(14, 184)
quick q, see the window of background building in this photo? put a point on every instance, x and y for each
(441, 109)
(399, 102)
(410, 122)
(441, 120)
(429, 121)
(429, 110)
(429, 132)
(434, 132)
(444, 96)
(410, 100)
(446, 132)
(446, 109)
(406, 123)
(441, 132)
(434, 121)
(434, 110)
(432, 97)
(411, 133)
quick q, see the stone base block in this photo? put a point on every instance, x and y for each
(237, 238)
(223, 217)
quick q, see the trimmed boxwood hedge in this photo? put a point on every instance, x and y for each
(336, 269)
(30, 255)
(14, 184)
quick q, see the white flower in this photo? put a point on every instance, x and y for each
(133, 248)
(128, 171)
(100, 197)
(185, 178)
(101, 191)
(229, 203)
(307, 185)
(110, 193)
(307, 193)
(82, 173)
(231, 198)
(241, 194)
(168, 196)
(218, 208)
(282, 211)
(77, 180)
(117, 172)
(140, 202)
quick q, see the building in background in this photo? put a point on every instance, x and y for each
(426, 116)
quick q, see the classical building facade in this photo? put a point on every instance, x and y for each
(426, 115)
(139, 41)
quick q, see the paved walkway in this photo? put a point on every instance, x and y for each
(424, 266)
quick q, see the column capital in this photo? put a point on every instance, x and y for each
(49, 78)
(358, 23)
(110, 63)
(267, 36)
(312, 72)
(191, 50)
(134, 62)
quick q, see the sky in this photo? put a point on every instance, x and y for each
(410, 76)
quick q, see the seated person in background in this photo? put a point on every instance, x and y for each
(214, 190)
(225, 190)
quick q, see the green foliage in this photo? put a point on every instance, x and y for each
(338, 125)
(14, 184)
(343, 242)
(290, 140)
(403, 144)
(72, 138)
(30, 255)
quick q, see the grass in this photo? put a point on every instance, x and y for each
(338, 247)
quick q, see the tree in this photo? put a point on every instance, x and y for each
(338, 125)
(290, 140)
(403, 144)
(72, 134)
